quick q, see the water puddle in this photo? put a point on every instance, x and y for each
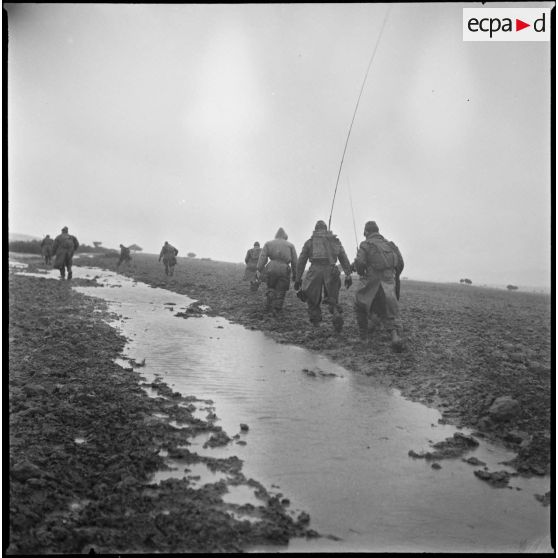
(241, 493)
(334, 443)
(197, 473)
(14, 264)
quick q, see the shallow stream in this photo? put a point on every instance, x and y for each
(333, 442)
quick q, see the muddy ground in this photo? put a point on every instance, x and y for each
(466, 347)
(84, 441)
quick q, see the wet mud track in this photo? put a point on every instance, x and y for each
(85, 440)
(465, 349)
(466, 346)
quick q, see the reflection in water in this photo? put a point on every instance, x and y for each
(333, 442)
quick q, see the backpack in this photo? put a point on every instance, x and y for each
(325, 246)
(68, 243)
(383, 256)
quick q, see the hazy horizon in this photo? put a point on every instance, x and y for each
(211, 126)
(524, 288)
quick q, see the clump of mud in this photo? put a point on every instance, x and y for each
(498, 479)
(452, 447)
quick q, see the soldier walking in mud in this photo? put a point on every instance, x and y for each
(377, 261)
(378, 312)
(124, 256)
(323, 249)
(46, 248)
(282, 264)
(251, 261)
(168, 255)
(63, 249)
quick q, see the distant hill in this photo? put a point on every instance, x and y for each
(24, 237)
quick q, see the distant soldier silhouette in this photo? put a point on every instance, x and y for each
(124, 256)
(323, 249)
(168, 255)
(282, 264)
(63, 250)
(46, 248)
(377, 261)
(251, 261)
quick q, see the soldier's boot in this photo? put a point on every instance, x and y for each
(337, 320)
(362, 322)
(374, 324)
(62, 274)
(69, 275)
(396, 341)
(277, 307)
(269, 299)
(316, 320)
(314, 315)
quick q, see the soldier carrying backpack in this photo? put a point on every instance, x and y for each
(380, 262)
(124, 256)
(323, 279)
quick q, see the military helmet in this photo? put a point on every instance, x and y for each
(320, 226)
(371, 227)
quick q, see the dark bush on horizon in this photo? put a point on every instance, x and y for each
(511, 288)
(34, 247)
(100, 249)
(25, 246)
(466, 281)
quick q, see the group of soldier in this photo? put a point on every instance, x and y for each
(378, 262)
(168, 255)
(64, 246)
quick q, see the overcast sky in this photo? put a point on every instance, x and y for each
(210, 126)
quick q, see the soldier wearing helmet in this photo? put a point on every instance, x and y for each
(323, 279)
(278, 270)
(63, 249)
(251, 261)
(168, 255)
(378, 262)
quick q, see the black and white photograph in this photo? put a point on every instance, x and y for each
(280, 278)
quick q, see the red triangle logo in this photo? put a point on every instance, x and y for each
(519, 25)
